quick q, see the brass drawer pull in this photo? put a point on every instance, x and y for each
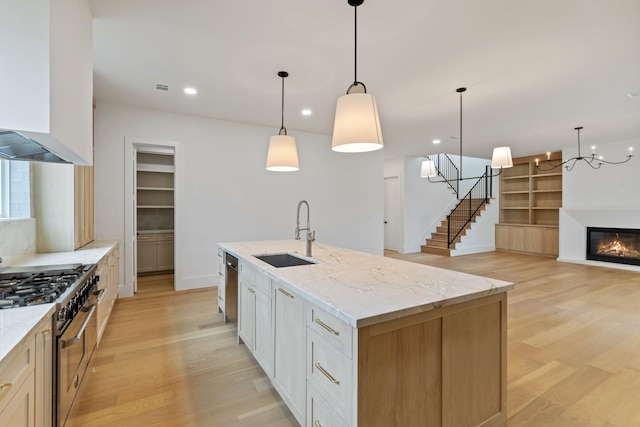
(45, 331)
(286, 293)
(326, 327)
(5, 389)
(327, 374)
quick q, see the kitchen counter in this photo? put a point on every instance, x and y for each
(16, 322)
(88, 254)
(363, 289)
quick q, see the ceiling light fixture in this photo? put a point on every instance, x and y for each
(501, 158)
(594, 161)
(282, 155)
(356, 128)
(306, 112)
(190, 91)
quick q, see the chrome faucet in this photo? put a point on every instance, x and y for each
(310, 235)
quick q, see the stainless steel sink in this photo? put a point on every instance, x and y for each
(284, 260)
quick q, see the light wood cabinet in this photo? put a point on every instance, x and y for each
(530, 200)
(108, 269)
(289, 348)
(63, 206)
(26, 380)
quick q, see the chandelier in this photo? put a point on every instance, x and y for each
(594, 161)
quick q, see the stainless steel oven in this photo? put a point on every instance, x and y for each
(75, 349)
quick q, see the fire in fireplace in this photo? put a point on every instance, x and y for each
(619, 245)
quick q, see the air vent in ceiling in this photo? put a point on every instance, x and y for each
(162, 88)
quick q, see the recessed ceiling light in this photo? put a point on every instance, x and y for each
(436, 141)
(306, 112)
(633, 94)
(190, 91)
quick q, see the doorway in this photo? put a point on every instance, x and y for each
(392, 213)
(151, 215)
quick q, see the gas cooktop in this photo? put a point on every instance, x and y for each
(24, 286)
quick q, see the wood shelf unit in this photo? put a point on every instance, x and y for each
(530, 200)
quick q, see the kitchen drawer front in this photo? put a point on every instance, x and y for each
(258, 279)
(320, 413)
(328, 326)
(15, 369)
(147, 237)
(330, 372)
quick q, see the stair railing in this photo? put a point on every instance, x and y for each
(447, 170)
(469, 205)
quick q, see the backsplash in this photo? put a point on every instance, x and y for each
(17, 237)
(155, 219)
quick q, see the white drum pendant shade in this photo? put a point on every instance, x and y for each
(356, 128)
(283, 154)
(428, 169)
(501, 158)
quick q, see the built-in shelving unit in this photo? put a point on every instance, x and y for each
(530, 200)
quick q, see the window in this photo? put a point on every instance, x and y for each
(15, 189)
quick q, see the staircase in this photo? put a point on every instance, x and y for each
(438, 243)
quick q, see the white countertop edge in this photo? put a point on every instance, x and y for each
(16, 323)
(495, 286)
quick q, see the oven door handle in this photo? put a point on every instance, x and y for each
(99, 294)
(76, 337)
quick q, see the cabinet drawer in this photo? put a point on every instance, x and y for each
(257, 278)
(320, 413)
(15, 369)
(330, 372)
(328, 326)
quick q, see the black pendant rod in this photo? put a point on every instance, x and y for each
(578, 129)
(460, 91)
(282, 74)
(355, 45)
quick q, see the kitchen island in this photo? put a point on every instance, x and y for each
(358, 339)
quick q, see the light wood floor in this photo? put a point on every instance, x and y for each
(167, 359)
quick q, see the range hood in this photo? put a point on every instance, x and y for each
(18, 146)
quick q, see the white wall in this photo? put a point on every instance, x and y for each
(227, 195)
(607, 197)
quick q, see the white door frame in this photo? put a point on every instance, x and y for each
(131, 146)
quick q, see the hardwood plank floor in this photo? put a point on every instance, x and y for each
(166, 358)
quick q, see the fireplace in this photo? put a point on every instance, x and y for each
(620, 245)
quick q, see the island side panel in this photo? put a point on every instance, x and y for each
(415, 371)
(474, 364)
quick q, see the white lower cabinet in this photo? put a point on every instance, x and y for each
(254, 316)
(319, 412)
(289, 339)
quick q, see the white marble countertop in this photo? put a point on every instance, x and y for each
(18, 321)
(15, 323)
(362, 288)
(88, 254)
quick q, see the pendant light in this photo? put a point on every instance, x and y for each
(282, 155)
(501, 158)
(356, 128)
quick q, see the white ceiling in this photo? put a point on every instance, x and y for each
(534, 69)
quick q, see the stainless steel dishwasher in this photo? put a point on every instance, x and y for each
(231, 289)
